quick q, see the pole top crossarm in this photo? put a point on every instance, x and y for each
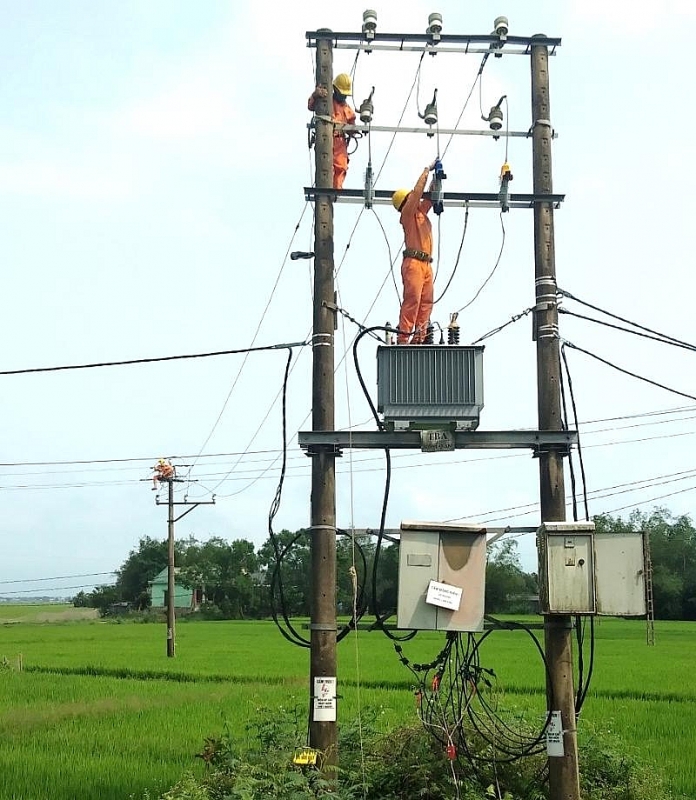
(474, 199)
(448, 42)
(536, 440)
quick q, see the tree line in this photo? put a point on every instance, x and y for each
(235, 575)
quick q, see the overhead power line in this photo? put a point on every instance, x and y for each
(59, 577)
(129, 362)
(628, 372)
(662, 336)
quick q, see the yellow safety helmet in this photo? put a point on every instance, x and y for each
(399, 197)
(343, 84)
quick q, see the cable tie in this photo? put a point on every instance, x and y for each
(322, 528)
(322, 626)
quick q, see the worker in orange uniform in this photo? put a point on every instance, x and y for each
(416, 269)
(341, 114)
(164, 471)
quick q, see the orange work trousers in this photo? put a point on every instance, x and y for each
(340, 161)
(418, 300)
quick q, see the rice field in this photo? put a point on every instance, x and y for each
(99, 711)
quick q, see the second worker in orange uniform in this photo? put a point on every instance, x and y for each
(341, 114)
(416, 268)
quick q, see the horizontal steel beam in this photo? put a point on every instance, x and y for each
(383, 196)
(393, 534)
(429, 131)
(463, 440)
(494, 42)
(433, 51)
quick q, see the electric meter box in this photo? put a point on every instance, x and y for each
(430, 385)
(442, 577)
(566, 567)
(620, 573)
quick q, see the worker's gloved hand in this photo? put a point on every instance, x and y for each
(432, 166)
(320, 91)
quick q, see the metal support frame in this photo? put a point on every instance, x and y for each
(428, 131)
(445, 43)
(394, 534)
(539, 441)
(471, 199)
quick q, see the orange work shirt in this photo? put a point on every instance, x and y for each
(341, 114)
(418, 230)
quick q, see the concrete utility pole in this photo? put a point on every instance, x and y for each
(323, 732)
(171, 587)
(171, 567)
(563, 770)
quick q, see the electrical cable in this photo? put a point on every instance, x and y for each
(256, 333)
(403, 112)
(392, 261)
(466, 102)
(379, 618)
(289, 632)
(514, 318)
(55, 588)
(570, 296)
(492, 272)
(459, 253)
(59, 577)
(628, 372)
(661, 339)
(129, 362)
(251, 440)
(577, 428)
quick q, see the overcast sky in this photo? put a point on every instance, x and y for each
(152, 163)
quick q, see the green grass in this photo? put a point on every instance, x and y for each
(100, 712)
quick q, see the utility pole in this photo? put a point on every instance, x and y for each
(171, 566)
(323, 729)
(563, 770)
(171, 587)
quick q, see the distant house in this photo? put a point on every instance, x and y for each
(184, 599)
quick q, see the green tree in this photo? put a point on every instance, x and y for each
(507, 585)
(103, 597)
(81, 600)
(141, 566)
(226, 572)
(295, 571)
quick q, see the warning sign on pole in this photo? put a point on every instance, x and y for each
(324, 699)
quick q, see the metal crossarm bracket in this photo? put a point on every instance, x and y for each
(369, 129)
(446, 43)
(538, 441)
(471, 199)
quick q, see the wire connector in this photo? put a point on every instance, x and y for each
(504, 190)
(436, 192)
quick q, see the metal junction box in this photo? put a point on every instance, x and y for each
(566, 567)
(584, 572)
(427, 385)
(620, 573)
(442, 576)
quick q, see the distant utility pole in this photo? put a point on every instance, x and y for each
(564, 782)
(171, 570)
(323, 731)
